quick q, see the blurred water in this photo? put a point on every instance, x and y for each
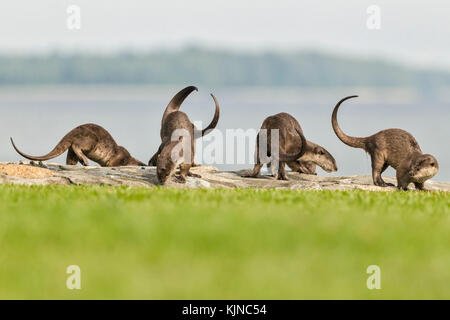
(38, 118)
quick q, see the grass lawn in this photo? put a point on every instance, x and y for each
(218, 244)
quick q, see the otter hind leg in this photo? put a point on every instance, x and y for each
(72, 158)
(154, 160)
(256, 168)
(378, 164)
(255, 171)
(271, 169)
(79, 153)
(383, 169)
(282, 172)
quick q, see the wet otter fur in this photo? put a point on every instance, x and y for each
(290, 133)
(88, 141)
(392, 147)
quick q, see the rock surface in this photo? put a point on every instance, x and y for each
(37, 173)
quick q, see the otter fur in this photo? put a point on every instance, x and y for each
(88, 141)
(392, 147)
(173, 151)
(290, 140)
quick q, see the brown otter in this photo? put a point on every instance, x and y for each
(174, 122)
(392, 147)
(88, 141)
(173, 106)
(289, 142)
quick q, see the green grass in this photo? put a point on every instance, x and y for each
(220, 244)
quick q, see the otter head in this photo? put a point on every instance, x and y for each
(123, 158)
(423, 167)
(320, 156)
(169, 158)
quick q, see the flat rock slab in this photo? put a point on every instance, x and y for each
(46, 173)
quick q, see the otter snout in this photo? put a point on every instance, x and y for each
(424, 174)
(328, 165)
(426, 167)
(162, 178)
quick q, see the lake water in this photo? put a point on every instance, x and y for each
(38, 118)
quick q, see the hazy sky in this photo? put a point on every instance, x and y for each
(412, 31)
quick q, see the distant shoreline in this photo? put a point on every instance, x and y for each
(132, 92)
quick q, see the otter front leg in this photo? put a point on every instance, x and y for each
(194, 175)
(402, 186)
(419, 186)
(184, 172)
(153, 161)
(402, 179)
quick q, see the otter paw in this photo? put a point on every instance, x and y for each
(180, 179)
(248, 175)
(389, 184)
(194, 175)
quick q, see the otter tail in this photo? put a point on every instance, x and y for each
(287, 157)
(177, 100)
(350, 141)
(60, 148)
(214, 121)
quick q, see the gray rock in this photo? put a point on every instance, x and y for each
(54, 173)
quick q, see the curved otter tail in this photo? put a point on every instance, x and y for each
(214, 121)
(287, 157)
(60, 148)
(177, 100)
(350, 141)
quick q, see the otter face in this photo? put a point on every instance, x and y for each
(135, 162)
(423, 168)
(164, 169)
(166, 165)
(125, 159)
(323, 159)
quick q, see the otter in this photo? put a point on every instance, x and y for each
(166, 158)
(88, 141)
(392, 147)
(289, 141)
